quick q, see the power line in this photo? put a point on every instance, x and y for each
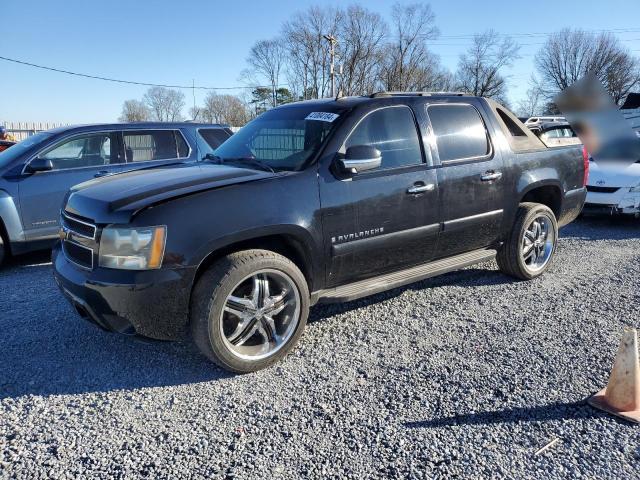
(540, 34)
(437, 44)
(130, 82)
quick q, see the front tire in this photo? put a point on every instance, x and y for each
(249, 309)
(3, 250)
(531, 245)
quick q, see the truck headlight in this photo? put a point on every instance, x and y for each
(132, 248)
(635, 189)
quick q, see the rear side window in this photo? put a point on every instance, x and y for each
(148, 145)
(213, 136)
(391, 130)
(460, 132)
(512, 126)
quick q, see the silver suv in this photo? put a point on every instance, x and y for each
(36, 174)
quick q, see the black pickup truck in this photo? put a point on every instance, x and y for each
(317, 201)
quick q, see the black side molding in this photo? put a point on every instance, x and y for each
(464, 222)
(387, 240)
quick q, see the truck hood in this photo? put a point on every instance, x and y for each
(115, 198)
(610, 176)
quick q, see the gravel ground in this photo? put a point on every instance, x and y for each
(465, 375)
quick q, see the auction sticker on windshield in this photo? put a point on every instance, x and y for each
(322, 116)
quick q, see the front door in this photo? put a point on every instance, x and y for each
(384, 219)
(75, 160)
(470, 178)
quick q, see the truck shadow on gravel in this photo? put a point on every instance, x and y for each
(47, 349)
(554, 411)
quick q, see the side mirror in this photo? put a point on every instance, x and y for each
(39, 165)
(360, 158)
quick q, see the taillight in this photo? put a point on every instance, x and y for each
(585, 160)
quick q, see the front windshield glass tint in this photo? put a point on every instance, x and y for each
(11, 153)
(283, 139)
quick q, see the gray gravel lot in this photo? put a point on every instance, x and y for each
(465, 375)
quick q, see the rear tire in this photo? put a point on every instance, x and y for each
(531, 245)
(249, 309)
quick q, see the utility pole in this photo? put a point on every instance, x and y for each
(193, 91)
(332, 52)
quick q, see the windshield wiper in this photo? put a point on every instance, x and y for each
(210, 157)
(218, 160)
(251, 161)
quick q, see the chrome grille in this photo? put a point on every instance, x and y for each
(78, 240)
(78, 254)
(79, 227)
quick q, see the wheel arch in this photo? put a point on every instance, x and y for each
(547, 193)
(289, 243)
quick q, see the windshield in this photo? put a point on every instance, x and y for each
(10, 154)
(280, 139)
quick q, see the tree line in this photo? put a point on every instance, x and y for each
(374, 54)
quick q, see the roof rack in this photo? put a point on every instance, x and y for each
(416, 94)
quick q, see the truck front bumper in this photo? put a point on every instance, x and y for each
(151, 303)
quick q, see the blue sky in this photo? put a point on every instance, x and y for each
(207, 41)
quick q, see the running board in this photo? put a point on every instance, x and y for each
(364, 288)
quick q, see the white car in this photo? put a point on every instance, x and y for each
(613, 190)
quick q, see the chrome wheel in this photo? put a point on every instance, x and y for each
(538, 242)
(260, 314)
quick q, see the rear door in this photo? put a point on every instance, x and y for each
(75, 159)
(470, 178)
(384, 219)
(155, 147)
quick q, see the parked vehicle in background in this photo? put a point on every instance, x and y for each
(326, 200)
(613, 191)
(36, 173)
(555, 134)
(4, 144)
(537, 120)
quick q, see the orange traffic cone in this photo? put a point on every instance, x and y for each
(621, 396)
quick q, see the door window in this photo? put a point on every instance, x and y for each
(149, 145)
(460, 132)
(391, 130)
(91, 150)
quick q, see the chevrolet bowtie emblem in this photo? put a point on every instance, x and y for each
(63, 234)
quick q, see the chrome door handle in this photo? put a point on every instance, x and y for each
(491, 175)
(421, 188)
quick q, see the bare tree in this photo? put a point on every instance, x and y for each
(622, 76)
(569, 55)
(307, 52)
(533, 102)
(409, 65)
(266, 60)
(362, 35)
(227, 109)
(134, 111)
(195, 113)
(479, 69)
(164, 104)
